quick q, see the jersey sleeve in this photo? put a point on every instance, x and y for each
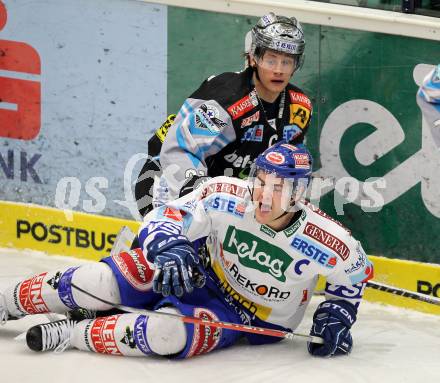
(428, 100)
(185, 216)
(349, 277)
(300, 116)
(201, 129)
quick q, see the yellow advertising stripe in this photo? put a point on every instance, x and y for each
(260, 311)
(410, 275)
(54, 231)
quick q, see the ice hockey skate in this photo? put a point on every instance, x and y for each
(51, 336)
(3, 310)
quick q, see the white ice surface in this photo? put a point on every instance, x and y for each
(391, 345)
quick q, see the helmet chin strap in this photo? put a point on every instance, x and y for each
(282, 215)
(296, 195)
(292, 204)
(297, 192)
(255, 68)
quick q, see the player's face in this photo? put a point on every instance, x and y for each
(272, 198)
(274, 71)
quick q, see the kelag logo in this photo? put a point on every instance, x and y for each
(20, 88)
(257, 254)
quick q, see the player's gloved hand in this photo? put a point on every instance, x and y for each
(332, 322)
(178, 268)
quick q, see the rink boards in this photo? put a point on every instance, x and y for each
(87, 236)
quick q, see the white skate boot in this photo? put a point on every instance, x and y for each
(4, 314)
(51, 336)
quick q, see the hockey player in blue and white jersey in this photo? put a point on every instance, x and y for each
(267, 247)
(428, 99)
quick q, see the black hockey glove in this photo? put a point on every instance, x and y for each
(332, 322)
(178, 268)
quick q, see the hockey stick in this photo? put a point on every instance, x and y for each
(123, 241)
(404, 293)
(206, 322)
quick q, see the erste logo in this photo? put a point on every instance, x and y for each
(20, 93)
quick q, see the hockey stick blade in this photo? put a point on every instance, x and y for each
(123, 241)
(206, 322)
(404, 293)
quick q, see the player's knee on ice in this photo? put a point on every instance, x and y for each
(166, 335)
(98, 279)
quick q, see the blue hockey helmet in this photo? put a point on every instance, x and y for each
(291, 162)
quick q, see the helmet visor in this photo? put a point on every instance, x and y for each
(277, 62)
(271, 191)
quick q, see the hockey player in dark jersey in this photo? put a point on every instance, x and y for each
(232, 118)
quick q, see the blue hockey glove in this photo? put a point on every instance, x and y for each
(178, 268)
(332, 322)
